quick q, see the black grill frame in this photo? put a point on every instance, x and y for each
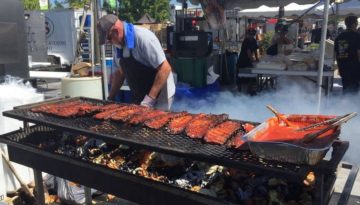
(131, 187)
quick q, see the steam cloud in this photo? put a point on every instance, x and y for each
(290, 97)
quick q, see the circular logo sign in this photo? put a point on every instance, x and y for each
(49, 27)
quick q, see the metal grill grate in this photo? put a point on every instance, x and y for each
(159, 140)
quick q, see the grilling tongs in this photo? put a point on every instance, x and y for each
(333, 123)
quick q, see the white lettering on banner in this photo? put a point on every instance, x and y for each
(52, 45)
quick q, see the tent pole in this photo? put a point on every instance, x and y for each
(322, 52)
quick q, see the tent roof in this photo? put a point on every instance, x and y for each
(290, 10)
(146, 19)
(244, 4)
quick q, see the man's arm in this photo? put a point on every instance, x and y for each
(164, 70)
(250, 55)
(116, 82)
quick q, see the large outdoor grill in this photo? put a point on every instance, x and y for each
(139, 189)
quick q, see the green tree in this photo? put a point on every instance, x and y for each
(31, 4)
(132, 11)
(76, 3)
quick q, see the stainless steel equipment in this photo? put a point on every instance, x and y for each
(13, 52)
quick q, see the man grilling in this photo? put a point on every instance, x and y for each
(140, 60)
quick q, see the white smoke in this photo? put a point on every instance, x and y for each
(290, 97)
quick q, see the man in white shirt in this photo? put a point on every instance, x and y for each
(140, 60)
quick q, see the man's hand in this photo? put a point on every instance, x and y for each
(148, 101)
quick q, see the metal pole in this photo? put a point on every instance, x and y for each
(101, 55)
(336, 18)
(322, 52)
(92, 42)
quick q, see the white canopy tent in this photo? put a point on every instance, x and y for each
(349, 7)
(290, 10)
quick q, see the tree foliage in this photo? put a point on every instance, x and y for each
(132, 11)
(31, 4)
(76, 3)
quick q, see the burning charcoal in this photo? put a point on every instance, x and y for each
(80, 140)
(190, 179)
(116, 162)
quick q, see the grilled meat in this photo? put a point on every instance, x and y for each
(198, 127)
(160, 121)
(53, 107)
(108, 113)
(237, 141)
(125, 114)
(248, 127)
(222, 132)
(178, 124)
(71, 110)
(89, 108)
(147, 115)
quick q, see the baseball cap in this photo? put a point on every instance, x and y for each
(103, 26)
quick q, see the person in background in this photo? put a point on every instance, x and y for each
(248, 55)
(279, 41)
(249, 50)
(347, 51)
(66, 192)
(140, 60)
(316, 34)
(301, 34)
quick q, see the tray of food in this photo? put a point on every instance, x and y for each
(299, 139)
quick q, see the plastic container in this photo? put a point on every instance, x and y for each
(85, 86)
(184, 91)
(191, 70)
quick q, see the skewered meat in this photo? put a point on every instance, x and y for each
(237, 141)
(222, 132)
(160, 121)
(147, 115)
(178, 124)
(197, 128)
(125, 114)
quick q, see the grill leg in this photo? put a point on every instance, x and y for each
(39, 187)
(319, 187)
(88, 198)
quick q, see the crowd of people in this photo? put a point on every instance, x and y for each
(346, 43)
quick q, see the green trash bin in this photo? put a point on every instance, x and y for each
(191, 70)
